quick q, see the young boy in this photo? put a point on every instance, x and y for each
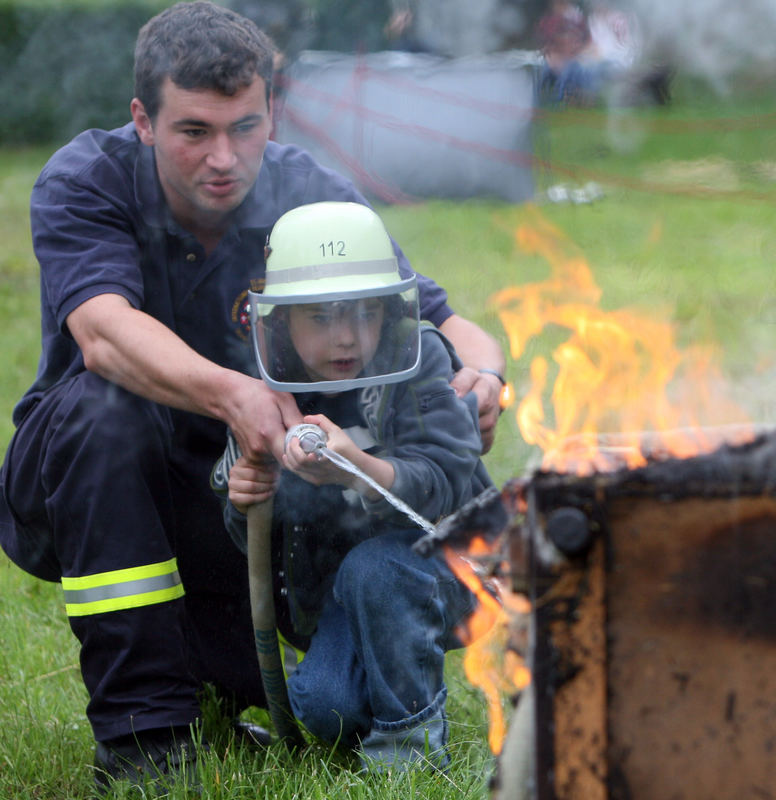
(337, 326)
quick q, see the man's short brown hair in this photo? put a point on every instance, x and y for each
(199, 45)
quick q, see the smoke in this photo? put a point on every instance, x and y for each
(711, 39)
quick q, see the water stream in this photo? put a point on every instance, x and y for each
(313, 440)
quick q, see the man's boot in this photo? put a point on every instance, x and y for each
(156, 757)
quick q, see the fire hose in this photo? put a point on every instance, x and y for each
(260, 585)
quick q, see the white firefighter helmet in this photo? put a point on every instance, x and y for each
(335, 313)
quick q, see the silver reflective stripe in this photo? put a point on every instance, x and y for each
(126, 589)
(332, 270)
(122, 589)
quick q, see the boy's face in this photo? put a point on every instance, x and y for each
(335, 341)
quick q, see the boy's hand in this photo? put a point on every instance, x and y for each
(313, 467)
(252, 483)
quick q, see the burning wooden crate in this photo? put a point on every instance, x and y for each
(653, 649)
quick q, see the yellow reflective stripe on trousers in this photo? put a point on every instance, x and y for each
(291, 656)
(122, 589)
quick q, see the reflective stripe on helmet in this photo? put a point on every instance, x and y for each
(122, 589)
(388, 267)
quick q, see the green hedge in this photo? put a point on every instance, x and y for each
(66, 65)
(65, 68)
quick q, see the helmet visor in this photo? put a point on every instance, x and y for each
(331, 343)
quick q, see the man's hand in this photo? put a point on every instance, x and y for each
(259, 418)
(478, 350)
(487, 388)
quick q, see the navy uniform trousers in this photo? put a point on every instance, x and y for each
(109, 493)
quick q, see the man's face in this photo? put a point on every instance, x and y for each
(209, 148)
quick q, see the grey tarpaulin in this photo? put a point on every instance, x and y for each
(408, 125)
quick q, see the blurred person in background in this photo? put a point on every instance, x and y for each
(563, 38)
(400, 30)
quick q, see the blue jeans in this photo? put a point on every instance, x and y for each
(575, 82)
(374, 673)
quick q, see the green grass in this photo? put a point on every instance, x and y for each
(683, 232)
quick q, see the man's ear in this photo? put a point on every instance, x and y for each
(142, 121)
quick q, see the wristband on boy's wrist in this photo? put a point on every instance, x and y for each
(488, 371)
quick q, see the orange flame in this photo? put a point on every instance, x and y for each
(507, 396)
(622, 392)
(619, 374)
(488, 663)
